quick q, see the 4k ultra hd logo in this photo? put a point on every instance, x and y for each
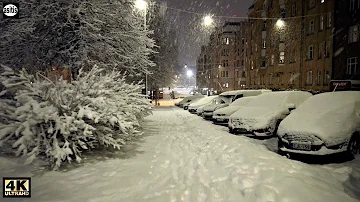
(10, 10)
(17, 187)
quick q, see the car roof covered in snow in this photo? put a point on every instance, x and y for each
(331, 117)
(203, 101)
(242, 101)
(274, 99)
(245, 92)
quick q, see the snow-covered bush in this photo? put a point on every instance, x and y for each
(59, 120)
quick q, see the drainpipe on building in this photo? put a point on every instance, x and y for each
(302, 44)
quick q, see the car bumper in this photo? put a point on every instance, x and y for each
(254, 133)
(222, 120)
(208, 115)
(286, 147)
(193, 111)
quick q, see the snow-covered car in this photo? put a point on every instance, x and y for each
(325, 124)
(188, 99)
(263, 114)
(186, 105)
(204, 101)
(200, 110)
(221, 116)
(227, 98)
(211, 107)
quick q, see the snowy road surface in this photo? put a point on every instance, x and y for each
(184, 158)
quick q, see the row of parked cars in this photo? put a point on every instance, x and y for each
(321, 124)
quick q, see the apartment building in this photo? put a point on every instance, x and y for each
(221, 64)
(290, 44)
(317, 44)
(346, 70)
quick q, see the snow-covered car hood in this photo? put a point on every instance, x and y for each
(254, 118)
(202, 102)
(227, 111)
(334, 125)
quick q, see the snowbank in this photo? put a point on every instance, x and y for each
(332, 117)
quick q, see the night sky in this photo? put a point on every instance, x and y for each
(191, 33)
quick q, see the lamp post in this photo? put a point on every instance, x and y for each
(142, 5)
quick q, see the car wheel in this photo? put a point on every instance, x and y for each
(185, 108)
(354, 145)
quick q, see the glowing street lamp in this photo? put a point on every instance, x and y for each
(280, 23)
(141, 4)
(189, 73)
(208, 20)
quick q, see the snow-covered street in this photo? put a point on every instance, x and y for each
(185, 158)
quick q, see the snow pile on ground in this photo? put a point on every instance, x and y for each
(184, 158)
(324, 115)
(59, 120)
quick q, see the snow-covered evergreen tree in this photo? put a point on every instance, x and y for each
(59, 120)
(166, 56)
(108, 33)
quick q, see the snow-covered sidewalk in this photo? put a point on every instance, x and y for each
(184, 158)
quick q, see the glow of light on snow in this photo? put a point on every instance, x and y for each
(208, 20)
(140, 4)
(189, 73)
(280, 23)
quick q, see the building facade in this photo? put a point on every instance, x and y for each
(221, 64)
(346, 44)
(290, 44)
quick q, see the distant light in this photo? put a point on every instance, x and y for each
(189, 73)
(140, 4)
(280, 23)
(208, 20)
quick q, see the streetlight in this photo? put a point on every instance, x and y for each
(280, 23)
(142, 5)
(208, 20)
(189, 74)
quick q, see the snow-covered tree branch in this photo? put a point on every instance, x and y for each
(59, 120)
